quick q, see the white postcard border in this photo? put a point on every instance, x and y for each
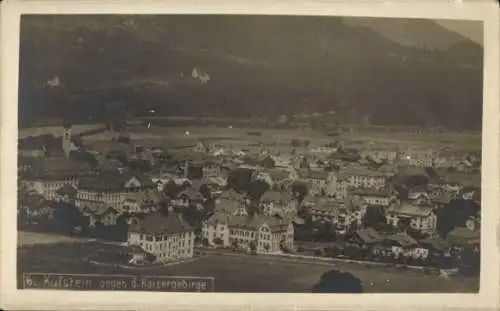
(35, 299)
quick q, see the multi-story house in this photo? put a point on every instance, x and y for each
(275, 202)
(66, 193)
(232, 197)
(400, 246)
(144, 201)
(226, 207)
(358, 177)
(167, 238)
(338, 186)
(328, 149)
(263, 234)
(419, 217)
(441, 199)
(277, 175)
(374, 196)
(318, 180)
(110, 189)
(418, 157)
(389, 155)
(338, 213)
(189, 197)
(35, 208)
(100, 213)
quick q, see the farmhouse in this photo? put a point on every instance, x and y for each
(167, 238)
(401, 246)
(363, 238)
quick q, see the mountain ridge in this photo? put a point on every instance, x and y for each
(258, 66)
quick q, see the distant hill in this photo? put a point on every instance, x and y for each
(412, 32)
(263, 66)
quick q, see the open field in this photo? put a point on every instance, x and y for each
(32, 238)
(240, 137)
(57, 130)
(245, 273)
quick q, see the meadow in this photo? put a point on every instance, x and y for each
(246, 273)
(172, 137)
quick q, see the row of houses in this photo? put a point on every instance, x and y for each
(399, 246)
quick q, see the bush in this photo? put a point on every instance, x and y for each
(218, 241)
(295, 143)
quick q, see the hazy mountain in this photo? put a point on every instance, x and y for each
(419, 32)
(245, 67)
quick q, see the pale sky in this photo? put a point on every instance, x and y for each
(472, 30)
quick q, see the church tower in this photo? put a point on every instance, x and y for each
(66, 139)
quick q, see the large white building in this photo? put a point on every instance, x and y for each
(262, 234)
(47, 176)
(168, 238)
(111, 189)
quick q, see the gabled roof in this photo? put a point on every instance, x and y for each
(146, 197)
(463, 236)
(368, 235)
(403, 240)
(103, 209)
(255, 222)
(191, 194)
(113, 181)
(442, 197)
(68, 190)
(278, 174)
(217, 218)
(156, 223)
(277, 197)
(54, 166)
(232, 195)
(225, 207)
(371, 192)
(32, 201)
(36, 142)
(330, 206)
(436, 243)
(311, 200)
(408, 209)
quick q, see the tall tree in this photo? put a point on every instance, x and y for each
(335, 281)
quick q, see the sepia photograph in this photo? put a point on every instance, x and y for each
(250, 153)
